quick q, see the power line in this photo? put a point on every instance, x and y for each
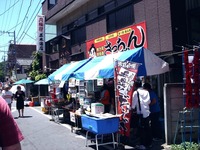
(4, 46)
(19, 12)
(9, 8)
(4, 15)
(24, 17)
(11, 28)
(29, 36)
(11, 15)
(15, 26)
(6, 22)
(24, 23)
(33, 18)
(175, 53)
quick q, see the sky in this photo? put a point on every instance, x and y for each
(18, 16)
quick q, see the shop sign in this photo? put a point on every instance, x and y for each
(99, 81)
(72, 82)
(125, 75)
(77, 82)
(40, 33)
(121, 40)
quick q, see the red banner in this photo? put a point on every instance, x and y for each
(192, 83)
(188, 85)
(121, 40)
(196, 79)
(125, 74)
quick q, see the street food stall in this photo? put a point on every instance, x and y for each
(145, 63)
(103, 68)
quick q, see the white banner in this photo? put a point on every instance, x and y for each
(40, 33)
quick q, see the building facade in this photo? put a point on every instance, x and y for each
(162, 26)
(169, 25)
(19, 60)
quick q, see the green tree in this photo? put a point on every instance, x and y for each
(2, 70)
(35, 70)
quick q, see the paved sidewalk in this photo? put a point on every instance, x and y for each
(41, 133)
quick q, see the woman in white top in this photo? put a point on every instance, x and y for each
(7, 95)
(141, 101)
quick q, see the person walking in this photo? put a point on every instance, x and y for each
(10, 134)
(155, 113)
(140, 102)
(7, 95)
(20, 97)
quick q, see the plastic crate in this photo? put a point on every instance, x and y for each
(99, 125)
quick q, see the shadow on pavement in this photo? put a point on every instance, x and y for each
(23, 117)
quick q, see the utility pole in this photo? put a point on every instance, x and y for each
(13, 52)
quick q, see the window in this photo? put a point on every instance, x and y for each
(81, 20)
(120, 18)
(92, 15)
(64, 29)
(78, 36)
(101, 10)
(55, 48)
(120, 2)
(111, 22)
(64, 43)
(194, 29)
(110, 6)
(71, 26)
(54, 65)
(51, 3)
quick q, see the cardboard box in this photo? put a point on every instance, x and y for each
(99, 125)
(97, 108)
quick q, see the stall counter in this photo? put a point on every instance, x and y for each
(100, 126)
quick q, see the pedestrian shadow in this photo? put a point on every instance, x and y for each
(23, 117)
(27, 117)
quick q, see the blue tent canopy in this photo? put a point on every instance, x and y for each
(64, 72)
(43, 82)
(104, 66)
(51, 77)
(24, 81)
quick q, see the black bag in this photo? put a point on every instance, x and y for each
(140, 120)
(136, 119)
(140, 116)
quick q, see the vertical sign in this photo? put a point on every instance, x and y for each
(40, 33)
(125, 74)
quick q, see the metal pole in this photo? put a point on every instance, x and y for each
(4, 64)
(15, 55)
